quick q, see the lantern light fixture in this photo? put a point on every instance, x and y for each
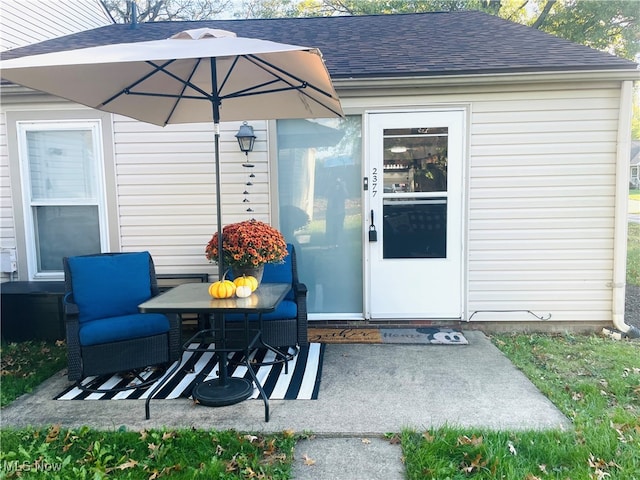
(246, 138)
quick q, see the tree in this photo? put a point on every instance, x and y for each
(160, 10)
(609, 25)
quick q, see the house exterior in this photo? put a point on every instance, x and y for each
(490, 159)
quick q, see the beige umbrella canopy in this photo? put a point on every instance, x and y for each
(171, 81)
(203, 75)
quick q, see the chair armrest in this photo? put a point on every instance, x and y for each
(70, 308)
(299, 289)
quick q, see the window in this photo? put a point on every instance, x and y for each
(319, 193)
(416, 162)
(63, 192)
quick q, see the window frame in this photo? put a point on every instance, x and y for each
(101, 125)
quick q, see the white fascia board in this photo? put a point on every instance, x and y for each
(485, 79)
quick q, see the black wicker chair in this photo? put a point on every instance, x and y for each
(105, 332)
(287, 326)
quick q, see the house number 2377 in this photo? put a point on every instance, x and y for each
(374, 182)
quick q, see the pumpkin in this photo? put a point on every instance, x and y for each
(247, 280)
(222, 289)
(243, 291)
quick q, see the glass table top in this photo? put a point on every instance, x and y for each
(195, 298)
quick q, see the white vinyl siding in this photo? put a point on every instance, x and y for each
(539, 190)
(7, 225)
(166, 188)
(30, 21)
(541, 205)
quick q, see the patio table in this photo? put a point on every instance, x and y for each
(195, 298)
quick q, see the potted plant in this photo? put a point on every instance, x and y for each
(247, 246)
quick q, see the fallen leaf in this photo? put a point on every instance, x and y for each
(474, 441)
(512, 449)
(308, 461)
(395, 439)
(428, 437)
(52, 434)
(366, 441)
(476, 464)
(128, 464)
(288, 433)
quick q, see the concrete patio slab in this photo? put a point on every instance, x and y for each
(366, 390)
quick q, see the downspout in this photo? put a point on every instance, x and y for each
(621, 206)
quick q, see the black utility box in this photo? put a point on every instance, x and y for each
(32, 311)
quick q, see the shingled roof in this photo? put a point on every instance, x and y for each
(425, 44)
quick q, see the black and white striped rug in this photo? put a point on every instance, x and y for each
(300, 383)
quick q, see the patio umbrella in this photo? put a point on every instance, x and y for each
(202, 75)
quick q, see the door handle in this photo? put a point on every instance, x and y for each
(373, 233)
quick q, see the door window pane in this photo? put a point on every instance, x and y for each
(319, 189)
(415, 160)
(415, 228)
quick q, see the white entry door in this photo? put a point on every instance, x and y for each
(414, 219)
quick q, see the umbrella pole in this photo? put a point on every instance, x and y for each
(216, 128)
(223, 390)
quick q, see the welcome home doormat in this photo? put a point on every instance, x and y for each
(302, 381)
(422, 335)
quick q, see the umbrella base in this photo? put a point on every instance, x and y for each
(213, 393)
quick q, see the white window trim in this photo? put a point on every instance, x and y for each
(22, 127)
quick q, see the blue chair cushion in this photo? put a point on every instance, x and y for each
(286, 310)
(110, 285)
(125, 327)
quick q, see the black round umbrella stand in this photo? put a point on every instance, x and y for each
(214, 393)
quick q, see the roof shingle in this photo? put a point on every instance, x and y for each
(424, 44)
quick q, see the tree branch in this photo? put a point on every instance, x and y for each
(543, 15)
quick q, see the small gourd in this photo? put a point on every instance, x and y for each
(223, 288)
(243, 291)
(247, 280)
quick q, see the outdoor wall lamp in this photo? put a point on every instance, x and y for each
(246, 138)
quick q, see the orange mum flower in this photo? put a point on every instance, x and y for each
(248, 244)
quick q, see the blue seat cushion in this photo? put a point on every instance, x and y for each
(110, 285)
(286, 310)
(126, 327)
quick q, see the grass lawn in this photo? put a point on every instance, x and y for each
(25, 365)
(594, 381)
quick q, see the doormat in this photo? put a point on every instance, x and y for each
(422, 335)
(302, 381)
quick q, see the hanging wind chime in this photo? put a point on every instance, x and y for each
(246, 139)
